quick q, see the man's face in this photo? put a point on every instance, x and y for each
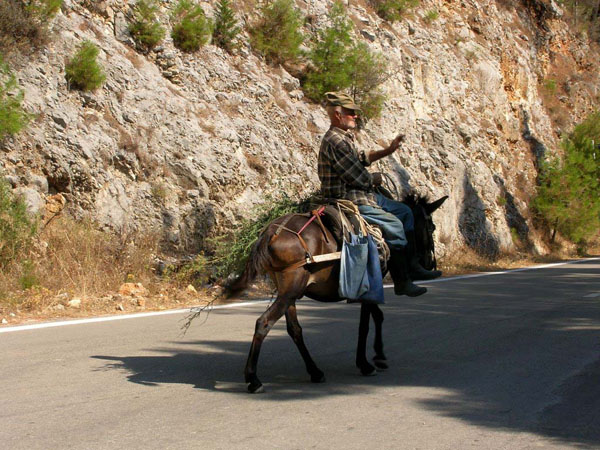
(347, 119)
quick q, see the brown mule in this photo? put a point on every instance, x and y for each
(318, 281)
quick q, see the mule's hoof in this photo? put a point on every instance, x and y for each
(255, 388)
(380, 363)
(368, 370)
(317, 377)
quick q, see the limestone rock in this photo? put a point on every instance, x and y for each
(74, 303)
(191, 289)
(191, 143)
(54, 206)
(32, 198)
(133, 290)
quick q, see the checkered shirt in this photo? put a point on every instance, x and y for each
(342, 169)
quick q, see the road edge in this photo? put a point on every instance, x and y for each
(41, 325)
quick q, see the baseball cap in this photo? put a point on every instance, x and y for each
(340, 99)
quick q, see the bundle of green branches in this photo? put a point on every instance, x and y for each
(232, 250)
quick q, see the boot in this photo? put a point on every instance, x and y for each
(399, 273)
(416, 271)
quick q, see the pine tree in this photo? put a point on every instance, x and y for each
(329, 56)
(12, 116)
(83, 70)
(226, 29)
(146, 30)
(339, 64)
(569, 191)
(277, 36)
(368, 71)
(191, 28)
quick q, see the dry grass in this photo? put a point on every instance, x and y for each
(136, 60)
(75, 260)
(19, 29)
(255, 163)
(468, 261)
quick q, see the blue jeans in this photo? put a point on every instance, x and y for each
(398, 209)
(392, 217)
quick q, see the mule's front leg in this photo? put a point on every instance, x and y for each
(379, 359)
(363, 332)
(263, 324)
(295, 331)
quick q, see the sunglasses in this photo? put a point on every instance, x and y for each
(349, 112)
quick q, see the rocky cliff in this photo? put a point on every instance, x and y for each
(188, 143)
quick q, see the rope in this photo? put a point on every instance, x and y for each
(347, 206)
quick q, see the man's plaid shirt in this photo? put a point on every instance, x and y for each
(342, 169)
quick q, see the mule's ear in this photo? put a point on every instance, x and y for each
(431, 207)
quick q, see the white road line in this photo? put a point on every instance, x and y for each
(254, 302)
(593, 295)
(37, 326)
(522, 269)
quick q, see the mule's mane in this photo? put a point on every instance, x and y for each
(413, 198)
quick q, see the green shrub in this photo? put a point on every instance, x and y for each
(393, 9)
(568, 195)
(550, 86)
(431, 15)
(337, 63)
(17, 228)
(12, 116)
(329, 56)
(196, 272)
(585, 15)
(28, 278)
(514, 235)
(83, 71)
(25, 22)
(368, 72)
(277, 34)
(43, 10)
(191, 29)
(232, 250)
(146, 30)
(226, 29)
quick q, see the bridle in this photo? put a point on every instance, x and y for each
(429, 242)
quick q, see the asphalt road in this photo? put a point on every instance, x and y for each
(506, 361)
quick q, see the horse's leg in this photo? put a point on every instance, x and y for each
(290, 286)
(363, 332)
(379, 359)
(295, 331)
(263, 324)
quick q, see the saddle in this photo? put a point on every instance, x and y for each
(340, 218)
(348, 218)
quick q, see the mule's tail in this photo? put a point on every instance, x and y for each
(256, 264)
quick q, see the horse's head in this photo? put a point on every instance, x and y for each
(424, 227)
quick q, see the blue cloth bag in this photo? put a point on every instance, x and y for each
(354, 280)
(375, 278)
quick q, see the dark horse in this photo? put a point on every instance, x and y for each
(318, 281)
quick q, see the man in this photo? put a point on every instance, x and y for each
(343, 175)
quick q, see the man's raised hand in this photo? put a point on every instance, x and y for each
(396, 142)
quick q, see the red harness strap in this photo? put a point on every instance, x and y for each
(309, 257)
(315, 214)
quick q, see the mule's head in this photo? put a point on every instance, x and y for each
(424, 227)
